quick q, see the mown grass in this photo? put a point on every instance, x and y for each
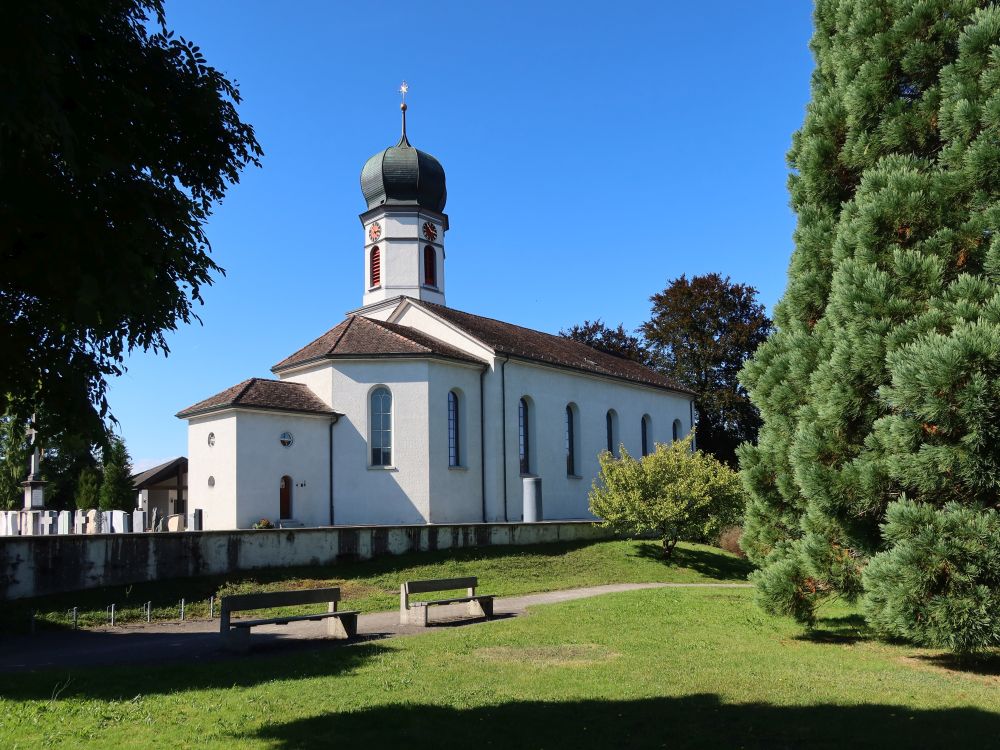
(677, 668)
(374, 585)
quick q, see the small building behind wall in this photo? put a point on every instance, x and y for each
(163, 488)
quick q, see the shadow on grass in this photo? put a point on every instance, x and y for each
(708, 563)
(271, 659)
(985, 665)
(697, 721)
(837, 630)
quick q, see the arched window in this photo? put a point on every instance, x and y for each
(678, 428)
(454, 454)
(645, 434)
(381, 427)
(611, 425)
(523, 438)
(570, 441)
(430, 266)
(375, 267)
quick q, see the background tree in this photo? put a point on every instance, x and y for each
(702, 331)
(14, 461)
(117, 492)
(881, 383)
(616, 341)
(115, 142)
(673, 492)
(88, 489)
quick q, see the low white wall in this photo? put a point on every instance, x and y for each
(33, 566)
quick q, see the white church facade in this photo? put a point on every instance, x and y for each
(411, 412)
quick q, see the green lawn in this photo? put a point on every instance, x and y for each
(656, 668)
(374, 585)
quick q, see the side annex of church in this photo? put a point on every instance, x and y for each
(411, 412)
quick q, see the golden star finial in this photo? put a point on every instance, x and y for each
(403, 89)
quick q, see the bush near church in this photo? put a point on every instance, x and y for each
(675, 492)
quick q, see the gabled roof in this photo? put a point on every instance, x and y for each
(157, 474)
(360, 336)
(258, 393)
(526, 343)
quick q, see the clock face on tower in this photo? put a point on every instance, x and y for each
(430, 231)
(374, 231)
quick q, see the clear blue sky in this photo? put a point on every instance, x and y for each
(594, 151)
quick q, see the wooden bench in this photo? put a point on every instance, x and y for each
(236, 633)
(415, 613)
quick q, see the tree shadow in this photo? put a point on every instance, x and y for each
(985, 665)
(842, 630)
(182, 667)
(696, 721)
(708, 563)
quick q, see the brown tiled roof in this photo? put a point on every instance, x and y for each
(360, 336)
(258, 393)
(516, 341)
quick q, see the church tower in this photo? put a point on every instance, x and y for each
(405, 223)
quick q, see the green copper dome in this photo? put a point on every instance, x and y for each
(404, 175)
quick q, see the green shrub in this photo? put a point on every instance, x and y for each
(674, 492)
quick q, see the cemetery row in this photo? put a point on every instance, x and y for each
(49, 522)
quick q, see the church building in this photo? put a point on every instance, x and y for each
(411, 412)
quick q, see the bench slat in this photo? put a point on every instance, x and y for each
(267, 599)
(441, 584)
(286, 620)
(452, 601)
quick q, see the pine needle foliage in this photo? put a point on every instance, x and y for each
(116, 491)
(882, 382)
(674, 492)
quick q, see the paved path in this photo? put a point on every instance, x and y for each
(197, 640)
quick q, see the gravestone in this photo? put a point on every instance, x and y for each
(138, 520)
(47, 522)
(94, 521)
(117, 521)
(4, 526)
(80, 522)
(106, 527)
(29, 522)
(175, 522)
(13, 523)
(64, 524)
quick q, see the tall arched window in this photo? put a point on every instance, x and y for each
(381, 427)
(611, 426)
(645, 435)
(678, 427)
(375, 266)
(454, 454)
(523, 438)
(570, 441)
(430, 266)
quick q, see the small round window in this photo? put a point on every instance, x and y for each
(211, 481)
(286, 439)
(211, 439)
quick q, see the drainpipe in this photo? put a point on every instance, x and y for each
(482, 441)
(695, 436)
(332, 423)
(503, 420)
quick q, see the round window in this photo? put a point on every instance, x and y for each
(286, 439)
(211, 439)
(211, 481)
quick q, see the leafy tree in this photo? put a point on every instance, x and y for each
(702, 331)
(882, 383)
(117, 492)
(615, 341)
(88, 489)
(67, 456)
(14, 461)
(116, 139)
(674, 492)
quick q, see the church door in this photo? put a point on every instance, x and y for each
(285, 497)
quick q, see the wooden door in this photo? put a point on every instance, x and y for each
(285, 497)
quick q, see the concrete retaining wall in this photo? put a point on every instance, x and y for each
(33, 566)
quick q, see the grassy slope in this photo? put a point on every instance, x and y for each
(663, 668)
(374, 585)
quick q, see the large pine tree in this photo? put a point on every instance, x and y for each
(882, 383)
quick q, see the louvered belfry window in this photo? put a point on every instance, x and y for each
(430, 266)
(376, 268)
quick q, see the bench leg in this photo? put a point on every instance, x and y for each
(345, 626)
(481, 608)
(418, 616)
(236, 639)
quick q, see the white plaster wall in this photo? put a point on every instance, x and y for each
(401, 246)
(218, 503)
(364, 494)
(550, 390)
(318, 378)
(262, 461)
(455, 492)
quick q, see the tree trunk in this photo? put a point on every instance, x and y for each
(668, 546)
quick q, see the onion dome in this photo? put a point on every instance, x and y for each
(403, 175)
